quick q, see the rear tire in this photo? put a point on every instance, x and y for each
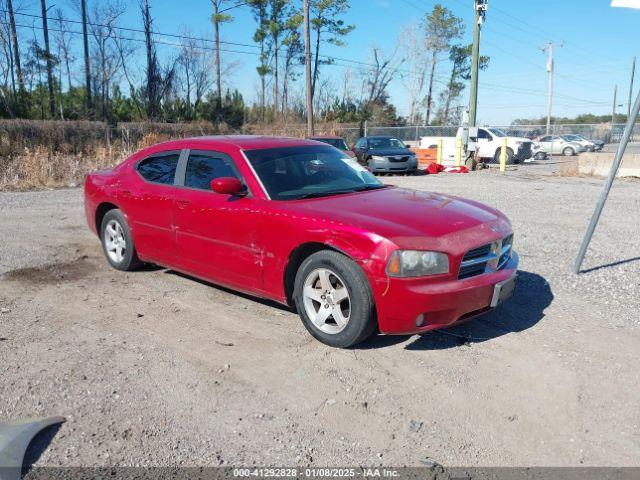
(334, 299)
(540, 156)
(117, 242)
(568, 151)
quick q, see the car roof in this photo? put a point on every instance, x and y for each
(332, 137)
(244, 142)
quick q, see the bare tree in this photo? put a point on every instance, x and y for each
(47, 49)
(381, 73)
(414, 50)
(63, 40)
(196, 67)
(16, 47)
(126, 50)
(102, 24)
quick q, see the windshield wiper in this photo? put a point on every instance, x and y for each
(364, 188)
(341, 192)
(324, 194)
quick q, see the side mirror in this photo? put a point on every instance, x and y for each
(227, 186)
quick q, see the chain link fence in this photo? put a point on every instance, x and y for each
(411, 133)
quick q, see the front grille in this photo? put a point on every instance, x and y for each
(482, 259)
(524, 151)
(398, 159)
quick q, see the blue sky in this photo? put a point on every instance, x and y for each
(599, 44)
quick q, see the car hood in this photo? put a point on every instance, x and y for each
(383, 152)
(521, 139)
(412, 219)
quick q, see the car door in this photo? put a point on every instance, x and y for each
(147, 202)
(485, 149)
(216, 233)
(545, 144)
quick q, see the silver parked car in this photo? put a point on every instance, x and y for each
(587, 144)
(555, 144)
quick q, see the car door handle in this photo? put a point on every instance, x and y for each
(183, 203)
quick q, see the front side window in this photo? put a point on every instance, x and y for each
(497, 132)
(545, 139)
(381, 143)
(482, 134)
(293, 173)
(159, 169)
(202, 169)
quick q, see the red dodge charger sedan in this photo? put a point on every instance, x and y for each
(301, 223)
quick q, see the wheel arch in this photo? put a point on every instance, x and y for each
(299, 255)
(101, 211)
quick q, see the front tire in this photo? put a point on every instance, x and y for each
(510, 156)
(568, 151)
(117, 242)
(334, 299)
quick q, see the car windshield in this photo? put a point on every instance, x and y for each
(293, 173)
(334, 142)
(497, 132)
(376, 143)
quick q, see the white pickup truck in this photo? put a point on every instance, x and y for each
(488, 145)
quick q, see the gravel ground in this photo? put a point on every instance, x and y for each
(155, 368)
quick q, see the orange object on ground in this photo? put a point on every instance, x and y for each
(425, 156)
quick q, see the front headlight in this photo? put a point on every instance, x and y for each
(417, 263)
(378, 157)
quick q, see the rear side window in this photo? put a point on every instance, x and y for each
(160, 169)
(202, 169)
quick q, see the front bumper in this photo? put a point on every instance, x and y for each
(442, 304)
(387, 166)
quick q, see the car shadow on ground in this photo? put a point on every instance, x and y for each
(524, 310)
(263, 301)
(37, 446)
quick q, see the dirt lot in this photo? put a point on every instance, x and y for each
(154, 368)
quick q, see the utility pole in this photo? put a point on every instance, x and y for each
(87, 66)
(45, 28)
(633, 72)
(216, 31)
(479, 13)
(549, 49)
(307, 64)
(613, 112)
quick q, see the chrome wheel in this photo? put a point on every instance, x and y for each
(114, 241)
(326, 300)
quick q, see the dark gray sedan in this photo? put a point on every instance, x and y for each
(385, 155)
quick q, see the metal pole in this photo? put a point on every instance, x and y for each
(607, 186)
(550, 86)
(307, 64)
(475, 64)
(613, 112)
(633, 72)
